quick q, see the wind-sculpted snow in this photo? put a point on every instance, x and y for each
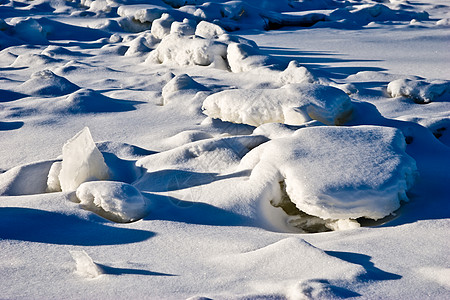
(293, 104)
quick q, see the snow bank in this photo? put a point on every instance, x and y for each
(420, 91)
(337, 172)
(293, 104)
(116, 201)
(46, 83)
(82, 161)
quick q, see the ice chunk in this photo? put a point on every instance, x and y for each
(85, 266)
(338, 172)
(116, 201)
(420, 91)
(161, 26)
(46, 83)
(189, 50)
(293, 104)
(82, 161)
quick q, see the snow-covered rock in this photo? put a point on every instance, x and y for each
(293, 104)
(82, 161)
(337, 172)
(181, 85)
(116, 201)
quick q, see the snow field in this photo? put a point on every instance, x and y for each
(310, 165)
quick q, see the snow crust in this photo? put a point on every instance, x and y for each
(293, 104)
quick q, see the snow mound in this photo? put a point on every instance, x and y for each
(116, 201)
(30, 31)
(138, 46)
(293, 104)
(420, 91)
(181, 50)
(181, 84)
(89, 101)
(46, 83)
(336, 172)
(25, 180)
(206, 155)
(82, 161)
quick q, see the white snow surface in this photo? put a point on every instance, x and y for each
(262, 198)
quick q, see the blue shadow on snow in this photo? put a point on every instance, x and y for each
(33, 225)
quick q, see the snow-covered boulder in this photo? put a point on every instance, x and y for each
(420, 91)
(116, 201)
(82, 161)
(336, 173)
(293, 104)
(244, 58)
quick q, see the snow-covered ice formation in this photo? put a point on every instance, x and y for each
(419, 90)
(293, 104)
(337, 172)
(117, 201)
(82, 161)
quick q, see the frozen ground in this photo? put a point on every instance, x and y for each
(224, 150)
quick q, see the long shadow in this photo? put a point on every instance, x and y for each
(372, 272)
(10, 125)
(124, 271)
(169, 208)
(173, 180)
(318, 61)
(33, 225)
(7, 96)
